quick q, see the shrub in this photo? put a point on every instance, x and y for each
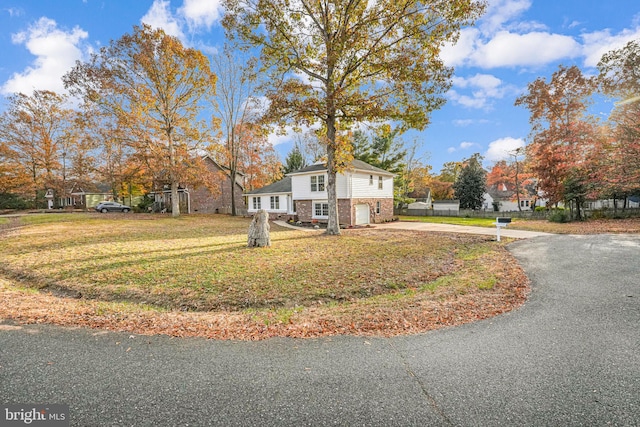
(540, 209)
(559, 215)
(12, 201)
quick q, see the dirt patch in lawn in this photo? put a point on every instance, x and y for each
(195, 277)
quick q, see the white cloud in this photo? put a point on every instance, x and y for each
(55, 50)
(468, 122)
(500, 148)
(159, 16)
(458, 54)
(14, 11)
(598, 43)
(201, 13)
(463, 146)
(508, 49)
(484, 87)
(500, 12)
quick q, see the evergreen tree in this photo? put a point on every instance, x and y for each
(295, 160)
(470, 185)
(386, 152)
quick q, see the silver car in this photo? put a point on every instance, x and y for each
(105, 207)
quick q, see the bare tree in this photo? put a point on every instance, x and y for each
(237, 108)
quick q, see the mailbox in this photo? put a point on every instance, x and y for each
(501, 221)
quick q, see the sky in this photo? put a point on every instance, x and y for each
(515, 42)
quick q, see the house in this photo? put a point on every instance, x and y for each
(364, 192)
(80, 198)
(200, 198)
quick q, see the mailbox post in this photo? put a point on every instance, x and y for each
(501, 221)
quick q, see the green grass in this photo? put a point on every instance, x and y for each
(202, 263)
(477, 222)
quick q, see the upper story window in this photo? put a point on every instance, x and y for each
(370, 179)
(379, 183)
(317, 183)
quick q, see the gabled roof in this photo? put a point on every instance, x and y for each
(282, 186)
(355, 165)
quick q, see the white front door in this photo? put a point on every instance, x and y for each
(362, 214)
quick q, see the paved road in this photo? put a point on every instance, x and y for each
(569, 357)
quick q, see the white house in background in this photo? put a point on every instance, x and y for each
(365, 195)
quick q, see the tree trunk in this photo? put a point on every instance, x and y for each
(175, 201)
(233, 192)
(259, 230)
(333, 225)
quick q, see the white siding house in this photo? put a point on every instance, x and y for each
(364, 192)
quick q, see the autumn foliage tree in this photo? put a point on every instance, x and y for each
(619, 78)
(561, 133)
(154, 88)
(36, 134)
(347, 61)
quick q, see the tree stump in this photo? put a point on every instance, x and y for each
(259, 230)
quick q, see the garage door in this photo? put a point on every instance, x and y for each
(362, 214)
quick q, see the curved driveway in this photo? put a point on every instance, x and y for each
(569, 357)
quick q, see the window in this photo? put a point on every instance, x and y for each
(256, 203)
(275, 202)
(370, 179)
(320, 209)
(378, 207)
(379, 183)
(317, 183)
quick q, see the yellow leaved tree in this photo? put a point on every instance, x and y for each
(155, 88)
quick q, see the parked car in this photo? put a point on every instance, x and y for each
(105, 207)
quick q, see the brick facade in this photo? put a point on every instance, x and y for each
(203, 200)
(347, 210)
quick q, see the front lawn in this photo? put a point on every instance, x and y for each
(455, 220)
(195, 276)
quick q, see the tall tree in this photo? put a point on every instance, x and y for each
(471, 184)
(386, 151)
(347, 61)
(37, 130)
(236, 105)
(560, 128)
(294, 161)
(155, 88)
(619, 78)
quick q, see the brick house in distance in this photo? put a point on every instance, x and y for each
(200, 199)
(365, 195)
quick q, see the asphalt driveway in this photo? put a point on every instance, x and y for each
(569, 357)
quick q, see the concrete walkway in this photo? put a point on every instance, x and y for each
(449, 228)
(445, 228)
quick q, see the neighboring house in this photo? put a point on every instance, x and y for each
(200, 198)
(507, 201)
(79, 198)
(365, 195)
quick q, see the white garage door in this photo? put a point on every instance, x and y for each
(362, 214)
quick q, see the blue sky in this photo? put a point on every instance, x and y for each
(515, 42)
